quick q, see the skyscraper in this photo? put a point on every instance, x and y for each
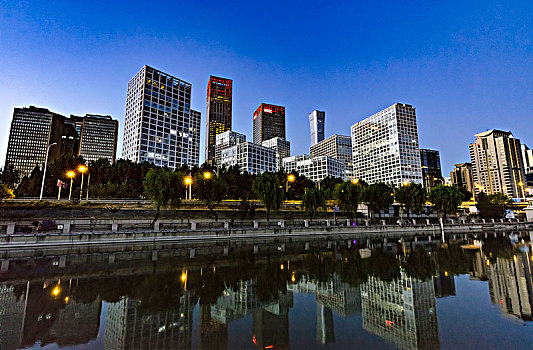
(431, 171)
(317, 122)
(160, 126)
(219, 111)
(385, 147)
(98, 137)
(33, 129)
(269, 122)
(497, 163)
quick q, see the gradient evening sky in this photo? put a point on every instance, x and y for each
(467, 66)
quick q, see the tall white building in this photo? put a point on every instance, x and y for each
(250, 157)
(385, 147)
(338, 147)
(282, 148)
(316, 168)
(224, 140)
(527, 156)
(497, 164)
(160, 126)
(317, 122)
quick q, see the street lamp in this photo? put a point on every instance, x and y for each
(71, 175)
(44, 170)
(82, 169)
(355, 181)
(290, 178)
(521, 184)
(188, 182)
(207, 175)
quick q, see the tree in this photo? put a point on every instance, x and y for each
(379, 196)
(6, 192)
(445, 198)
(210, 189)
(162, 187)
(313, 200)
(412, 196)
(348, 195)
(492, 206)
(269, 189)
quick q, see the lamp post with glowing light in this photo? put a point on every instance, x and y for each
(207, 175)
(71, 175)
(290, 179)
(188, 182)
(82, 169)
(44, 169)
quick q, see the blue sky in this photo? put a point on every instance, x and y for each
(467, 66)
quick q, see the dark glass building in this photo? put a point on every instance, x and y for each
(33, 129)
(219, 111)
(269, 122)
(431, 171)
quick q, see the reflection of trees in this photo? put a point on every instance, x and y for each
(419, 265)
(383, 266)
(271, 282)
(498, 247)
(453, 259)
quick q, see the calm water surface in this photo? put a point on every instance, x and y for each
(335, 295)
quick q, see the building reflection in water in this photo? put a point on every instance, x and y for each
(401, 311)
(45, 313)
(128, 327)
(510, 280)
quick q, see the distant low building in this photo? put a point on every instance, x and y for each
(225, 140)
(338, 147)
(315, 168)
(282, 148)
(462, 176)
(250, 157)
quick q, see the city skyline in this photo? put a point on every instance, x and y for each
(450, 72)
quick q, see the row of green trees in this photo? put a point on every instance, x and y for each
(166, 188)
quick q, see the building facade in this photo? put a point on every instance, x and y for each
(385, 147)
(317, 123)
(462, 176)
(315, 168)
(497, 164)
(98, 137)
(338, 147)
(33, 129)
(430, 164)
(225, 140)
(250, 157)
(269, 122)
(281, 147)
(160, 126)
(219, 112)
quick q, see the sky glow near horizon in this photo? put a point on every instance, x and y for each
(465, 66)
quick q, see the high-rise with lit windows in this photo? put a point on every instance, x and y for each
(385, 147)
(269, 122)
(218, 114)
(160, 126)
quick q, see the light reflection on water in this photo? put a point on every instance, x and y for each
(401, 296)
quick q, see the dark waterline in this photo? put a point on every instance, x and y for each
(329, 294)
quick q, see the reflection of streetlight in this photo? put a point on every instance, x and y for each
(188, 182)
(281, 267)
(44, 169)
(82, 169)
(183, 278)
(56, 291)
(71, 175)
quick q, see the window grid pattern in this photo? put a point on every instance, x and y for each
(385, 147)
